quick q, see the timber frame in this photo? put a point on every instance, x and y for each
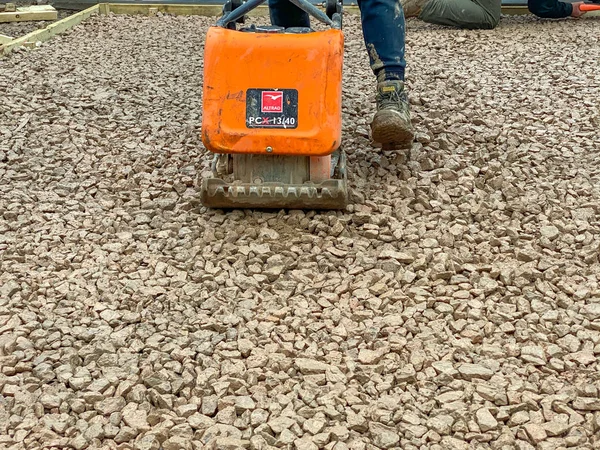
(28, 13)
(32, 39)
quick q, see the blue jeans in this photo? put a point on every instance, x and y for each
(383, 32)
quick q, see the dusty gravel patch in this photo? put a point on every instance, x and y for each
(456, 305)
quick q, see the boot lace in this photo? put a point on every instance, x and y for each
(393, 99)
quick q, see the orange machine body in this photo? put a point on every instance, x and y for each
(272, 93)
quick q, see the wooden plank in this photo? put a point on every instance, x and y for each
(216, 9)
(103, 8)
(50, 31)
(30, 13)
(83, 4)
(5, 39)
(187, 9)
(515, 10)
(176, 9)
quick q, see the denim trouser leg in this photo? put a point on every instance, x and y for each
(383, 31)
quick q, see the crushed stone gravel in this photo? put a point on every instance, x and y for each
(455, 305)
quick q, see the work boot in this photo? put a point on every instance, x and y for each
(391, 125)
(412, 8)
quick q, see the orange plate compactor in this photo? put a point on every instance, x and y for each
(272, 102)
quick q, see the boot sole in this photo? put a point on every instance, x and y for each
(391, 131)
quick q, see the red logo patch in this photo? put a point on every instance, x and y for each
(272, 102)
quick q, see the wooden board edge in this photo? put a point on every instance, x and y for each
(515, 10)
(50, 31)
(174, 9)
(5, 39)
(27, 16)
(186, 9)
(215, 9)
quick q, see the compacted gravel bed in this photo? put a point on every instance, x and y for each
(454, 306)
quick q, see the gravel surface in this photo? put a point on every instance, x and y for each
(454, 306)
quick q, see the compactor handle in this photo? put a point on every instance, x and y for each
(238, 12)
(335, 21)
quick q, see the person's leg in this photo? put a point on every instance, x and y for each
(383, 32)
(469, 14)
(493, 8)
(285, 14)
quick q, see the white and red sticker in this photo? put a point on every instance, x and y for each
(271, 102)
(272, 108)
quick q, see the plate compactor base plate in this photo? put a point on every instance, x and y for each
(280, 182)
